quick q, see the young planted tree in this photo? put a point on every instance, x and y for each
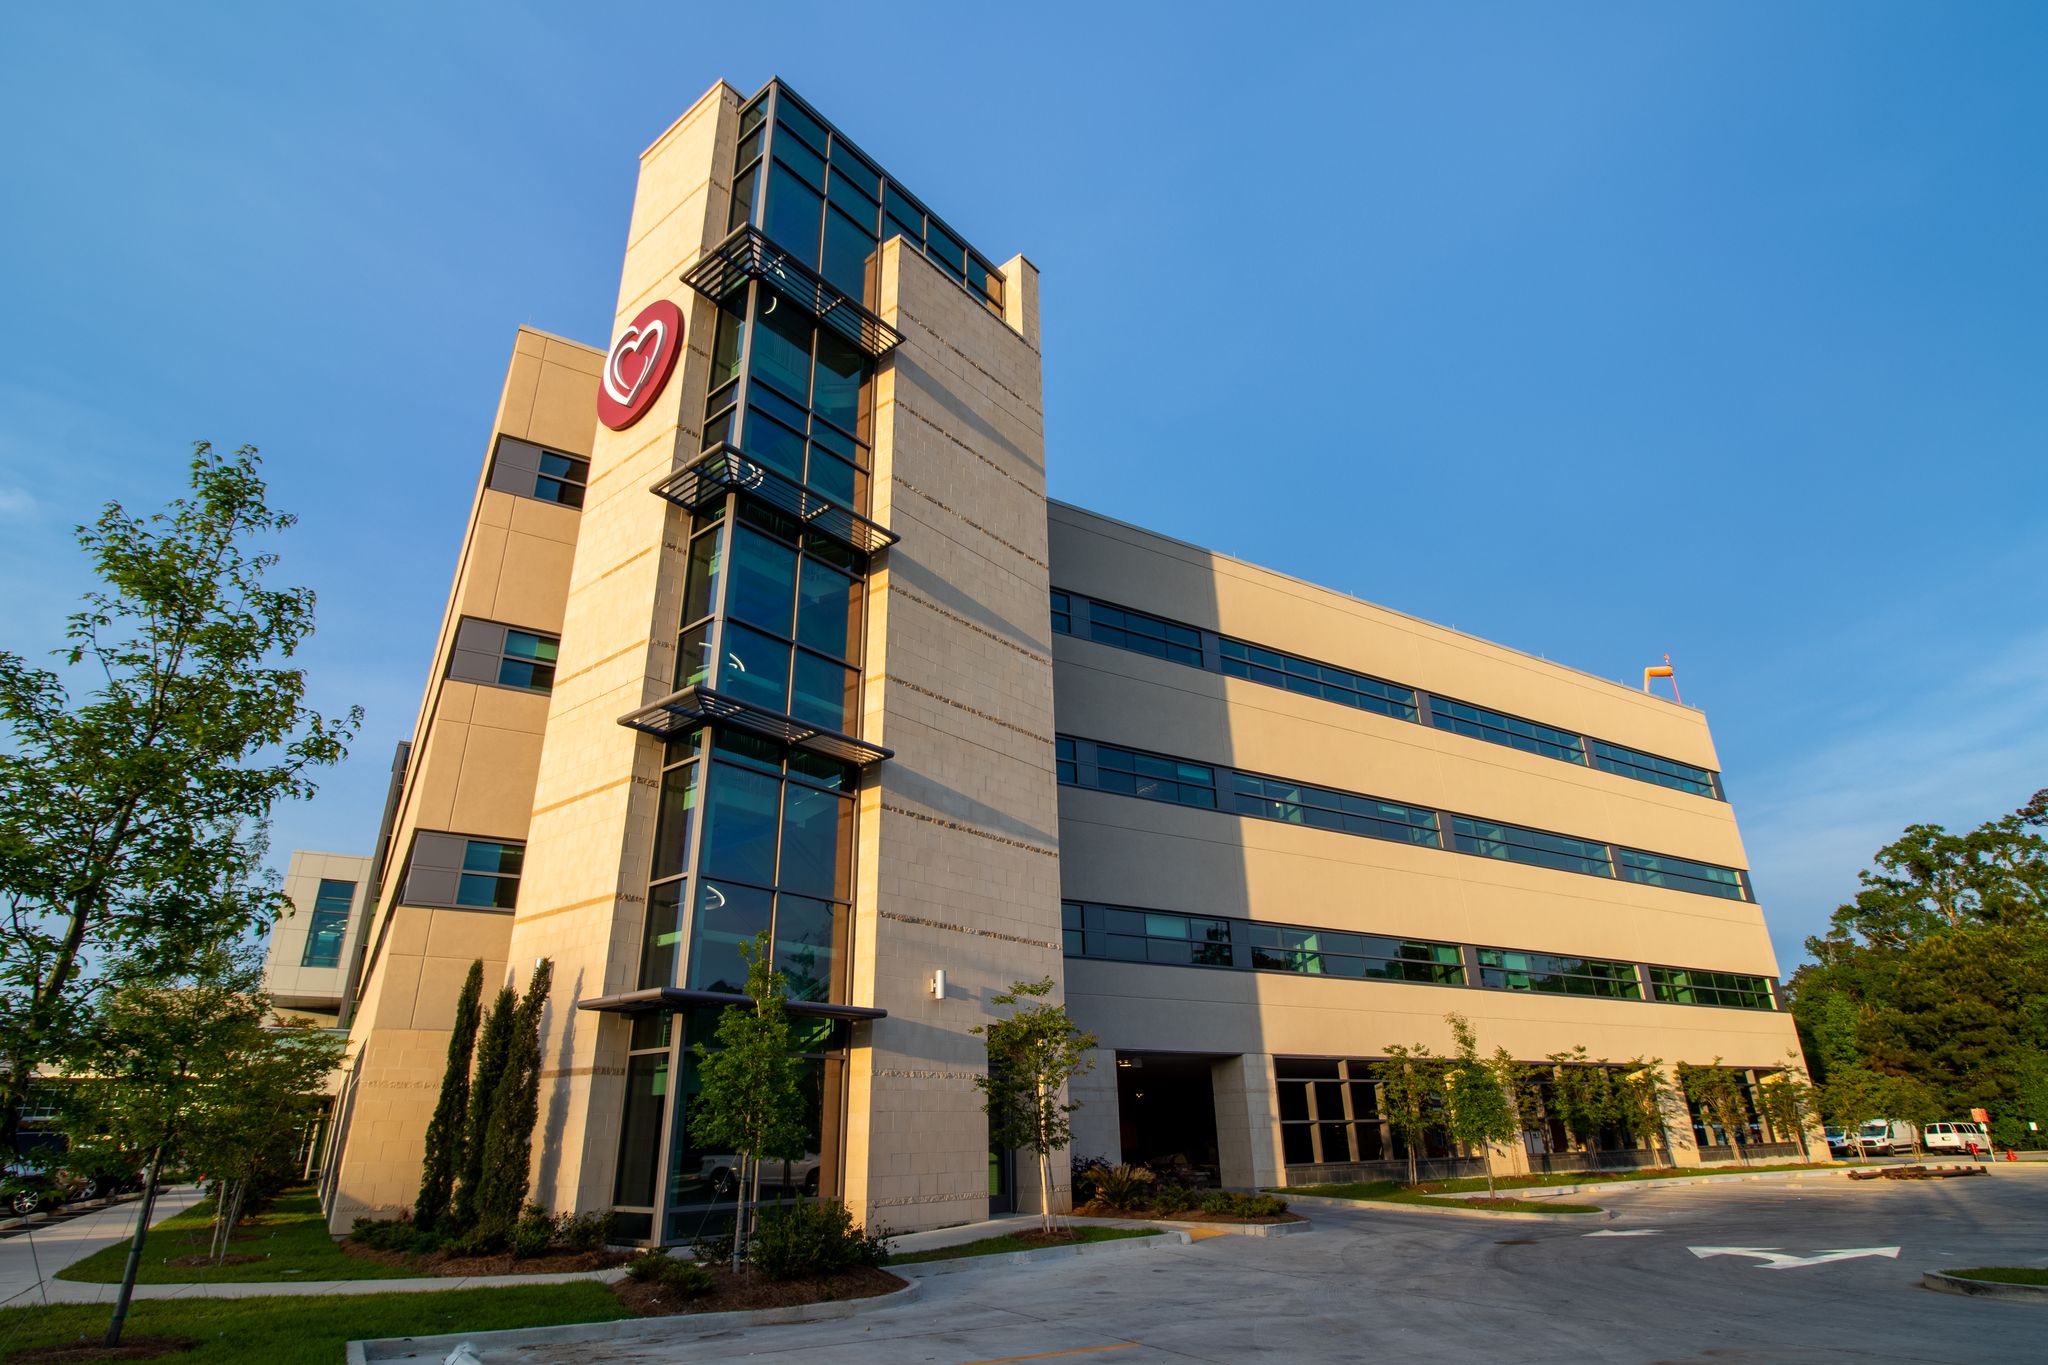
(1479, 1107)
(445, 1129)
(1412, 1085)
(192, 1070)
(1642, 1097)
(1583, 1096)
(515, 1110)
(493, 1045)
(1716, 1094)
(132, 816)
(749, 1098)
(1032, 1056)
(1787, 1102)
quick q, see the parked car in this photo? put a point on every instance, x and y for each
(718, 1173)
(1957, 1137)
(1841, 1144)
(1879, 1137)
(26, 1190)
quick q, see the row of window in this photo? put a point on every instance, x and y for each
(526, 470)
(829, 206)
(499, 655)
(1124, 934)
(1159, 777)
(1164, 639)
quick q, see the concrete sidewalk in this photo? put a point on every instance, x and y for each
(35, 1254)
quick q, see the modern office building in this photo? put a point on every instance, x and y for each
(305, 966)
(762, 622)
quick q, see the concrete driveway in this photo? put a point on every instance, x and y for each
(1412, 1287)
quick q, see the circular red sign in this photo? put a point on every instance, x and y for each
(639, 365)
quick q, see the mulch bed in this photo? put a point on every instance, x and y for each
(746, 1290)
(441, 1263)
(1099, 1210)
(131, 1348)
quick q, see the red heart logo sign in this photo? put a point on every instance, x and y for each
(640, 362)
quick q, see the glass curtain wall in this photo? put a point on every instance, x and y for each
(753, 836)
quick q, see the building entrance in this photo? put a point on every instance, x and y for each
(1166, 1111)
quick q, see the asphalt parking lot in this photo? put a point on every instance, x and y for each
(1664, 1281)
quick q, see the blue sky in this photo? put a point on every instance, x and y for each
(1598, 330)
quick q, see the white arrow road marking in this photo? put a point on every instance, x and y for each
(1630, 1232)
(1776, 1260)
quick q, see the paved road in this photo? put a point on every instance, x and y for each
(1389, 1286)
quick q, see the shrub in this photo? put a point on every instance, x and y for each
(583, 1232)
(655, 1266)
(1087, 1170)
(1124, 1187)
(533, 1233)
(1172, 1199)
(393, 1234)
(815, 1237)
(1230, 1205)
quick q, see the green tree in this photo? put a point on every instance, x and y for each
(1717, 1094)
(445, 1129)
(1788, 1103)
(515, 1110)
(1584, 1096)
(1644, 1100)
(1479, 1109)
(1412, 1082)
(494, 1044)
(1032, 1056)
(1937, 973)
(193, 1070)
(749, 1085)
(132, 818)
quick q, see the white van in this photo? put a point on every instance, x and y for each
(1957, 1137)
(1879, 1137)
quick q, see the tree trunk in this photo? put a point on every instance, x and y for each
(739, 1208)
(1044, 1169)
(128, 1273)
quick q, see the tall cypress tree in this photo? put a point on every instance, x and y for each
(491, 1048)
(444, 1131)
(508, 1142)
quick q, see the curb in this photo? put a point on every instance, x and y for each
(437, 1348)
(1040, 1255)
(1984, 1289)
(89, 1291)
(1440, 1211)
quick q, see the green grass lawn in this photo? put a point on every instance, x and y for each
(2004, 1274)
(291, 1236)
(309, 1330)
(992, 1246)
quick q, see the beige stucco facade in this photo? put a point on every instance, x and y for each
(964, 841)
(298, 977)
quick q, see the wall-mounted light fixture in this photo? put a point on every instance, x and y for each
(939, 984)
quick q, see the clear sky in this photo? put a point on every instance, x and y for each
(1598, 330)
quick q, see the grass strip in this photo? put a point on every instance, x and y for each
(308, 1330)
(291, 1236)
(996, 1246)
(2004, 1274)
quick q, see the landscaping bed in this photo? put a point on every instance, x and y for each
(1099, 1209)
(453, 1265)
(750, 1289)
(2004, 1274)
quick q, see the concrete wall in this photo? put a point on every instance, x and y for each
(958, 864)
(475, 756)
